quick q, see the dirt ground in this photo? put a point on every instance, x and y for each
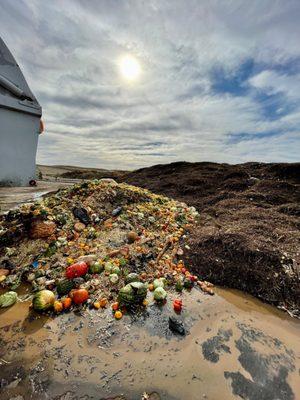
(248, 236)
(63, 172)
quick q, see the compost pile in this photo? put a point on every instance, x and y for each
(98, 243)
(248, 236)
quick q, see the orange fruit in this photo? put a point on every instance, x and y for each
(118, 315)
(58, 306)
(67, 303)
(80, 296)
(103, 302)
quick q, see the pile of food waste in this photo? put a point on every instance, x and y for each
(97, 244)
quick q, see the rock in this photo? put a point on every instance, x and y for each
(132, 236)
(81, 214)
(42, 229)
(4, 272)
(176, 326)
(79, 227)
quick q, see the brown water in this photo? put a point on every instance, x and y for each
(236, 347)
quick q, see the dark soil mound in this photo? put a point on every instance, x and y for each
(248, 236)
(91, 174)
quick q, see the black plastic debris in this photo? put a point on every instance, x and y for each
(81, 214)
(176, 326)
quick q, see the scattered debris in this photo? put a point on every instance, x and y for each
(176, 326)
(96, 242)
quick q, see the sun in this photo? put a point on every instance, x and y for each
(130, 68)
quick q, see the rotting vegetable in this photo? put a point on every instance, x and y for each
(8, 299)
(128, 235)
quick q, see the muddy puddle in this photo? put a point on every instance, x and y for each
(235, 347)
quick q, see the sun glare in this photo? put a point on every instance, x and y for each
(130, 68)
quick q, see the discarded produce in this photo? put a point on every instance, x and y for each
(97, 240)
(76, 270)
(118, 315)
(64, 286)
(177, 305)
(160, 294)
(97, 305)
(43, 300)
(58, 306)
(79, 296)
(67, 302)
(8, 299)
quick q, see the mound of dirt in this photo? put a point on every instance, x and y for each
(90, 174)
(248, 236)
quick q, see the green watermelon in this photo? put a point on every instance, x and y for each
(64, 286)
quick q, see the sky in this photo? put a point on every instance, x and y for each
(219, 80)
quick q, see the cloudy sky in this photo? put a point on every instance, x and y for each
(219, 81)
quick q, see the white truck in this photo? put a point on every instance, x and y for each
(20, 124)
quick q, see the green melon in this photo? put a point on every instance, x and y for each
(96, 268)
(132, 277)
(43, 300)
(64, 286)
(133, 293)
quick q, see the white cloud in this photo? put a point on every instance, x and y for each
(273, 82)
(69, 51)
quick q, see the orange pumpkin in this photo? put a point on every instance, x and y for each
(115, 306)
(67, 302)
(80, 296)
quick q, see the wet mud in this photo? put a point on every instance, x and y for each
(235, 347)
